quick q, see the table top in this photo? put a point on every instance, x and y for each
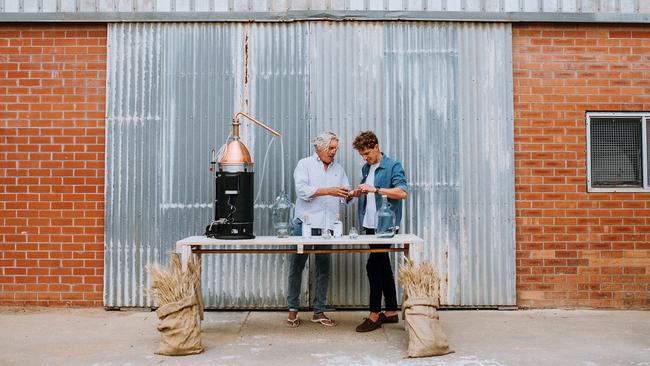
(298, 240)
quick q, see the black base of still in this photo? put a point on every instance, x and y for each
(233, 208)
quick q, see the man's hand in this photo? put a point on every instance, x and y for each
(354, 193)
(366, 188)
(338, 192)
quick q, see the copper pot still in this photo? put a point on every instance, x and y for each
(234, 186)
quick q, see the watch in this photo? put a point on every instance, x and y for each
(377, 190)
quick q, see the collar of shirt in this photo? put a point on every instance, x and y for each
(384, 163)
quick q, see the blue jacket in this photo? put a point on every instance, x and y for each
(389, 174)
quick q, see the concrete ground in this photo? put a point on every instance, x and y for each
(534, 337)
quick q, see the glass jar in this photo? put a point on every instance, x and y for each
(337, 227)
(353, 233)
(282, 211)
(385, 220)
(306, 228)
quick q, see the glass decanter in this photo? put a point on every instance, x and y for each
(282, 211)
(385, 220)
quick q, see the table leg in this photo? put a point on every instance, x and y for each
(186, 252)
(197, 286)
(407, 255)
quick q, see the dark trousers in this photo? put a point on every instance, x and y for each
(380, 276)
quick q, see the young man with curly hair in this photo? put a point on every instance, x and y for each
(380, 176)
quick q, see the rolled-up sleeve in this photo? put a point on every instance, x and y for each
(398, 177)
(304, 190)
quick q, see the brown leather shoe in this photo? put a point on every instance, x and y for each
(388, 319)
(368, 325)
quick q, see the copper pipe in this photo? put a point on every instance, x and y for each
(235, 124)
(236, 152)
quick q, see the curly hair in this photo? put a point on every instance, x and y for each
(365, 140)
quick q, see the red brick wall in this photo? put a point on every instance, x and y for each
(576, 249)
(52, 106)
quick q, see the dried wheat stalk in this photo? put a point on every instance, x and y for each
(419, 280)
(171, 284)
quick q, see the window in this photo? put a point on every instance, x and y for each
(617, 152)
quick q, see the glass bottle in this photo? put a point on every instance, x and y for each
(306, 228)
(385, 220)
(353, 233)
(338, 227)
(282, 211)
(325, 234)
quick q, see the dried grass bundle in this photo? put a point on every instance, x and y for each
(419, 280)
(171, 284)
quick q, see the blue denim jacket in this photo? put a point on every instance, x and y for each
(389, 174)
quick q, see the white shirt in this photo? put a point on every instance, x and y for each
(370, 218)
(309, 175)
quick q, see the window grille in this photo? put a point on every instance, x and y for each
(617, 151)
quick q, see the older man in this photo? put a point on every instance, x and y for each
(320, 185)
(380, 176)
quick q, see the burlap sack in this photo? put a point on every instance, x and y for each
(180, 328)
(425, 334)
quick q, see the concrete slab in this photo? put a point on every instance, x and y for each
(533, 337)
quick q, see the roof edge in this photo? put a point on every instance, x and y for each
(332, 15)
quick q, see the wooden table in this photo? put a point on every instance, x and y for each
(193, 247)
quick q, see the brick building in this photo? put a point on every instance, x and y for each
(52, 113)
(575, 246)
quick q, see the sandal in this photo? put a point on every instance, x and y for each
(293, 323)
(323, 319)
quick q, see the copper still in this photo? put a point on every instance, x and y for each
(234, 186)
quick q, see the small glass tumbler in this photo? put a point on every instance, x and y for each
(353, 233)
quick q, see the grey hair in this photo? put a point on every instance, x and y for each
(322, 141)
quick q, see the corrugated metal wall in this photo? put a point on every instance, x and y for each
(485, 256)
(439, 96)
